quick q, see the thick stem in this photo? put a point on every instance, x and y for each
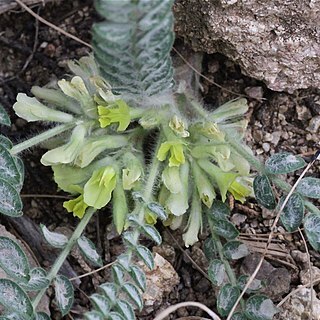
(64, 253)
(41, 137)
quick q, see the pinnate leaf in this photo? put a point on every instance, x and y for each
(14, 298)
(138, 276)
(284, 162)
(4, 118)
(94, 315)
(89, 251)
(64, 293)
(55, 239)
(263, 192)
(42, 316)
(309, 187)
(134, 293)
(13, 260)
(117, 274)
(224, 229)
(216, 272)
(227, 297)
(101, 303)
(260, 307)
(38, 280)
(110, 291)
(293, 212)
(125, 309)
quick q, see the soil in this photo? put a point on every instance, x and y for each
(33, 54)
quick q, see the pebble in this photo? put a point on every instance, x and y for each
(238, 218)
(314, 124)
(266, 147)
(303, 113)
(254, 92)
(305, 275)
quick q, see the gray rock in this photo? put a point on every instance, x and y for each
(274, 41)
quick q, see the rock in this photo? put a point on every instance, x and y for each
(254, 92)
(297, 307)
(160, 282)
(305, 275)
(314, 124)
(277, 42)
(238, 218)
(277, 279)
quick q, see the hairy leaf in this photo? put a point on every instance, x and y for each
(227, 297)
(158, 210)
(125, 309)
(152, 233)
(8, 167)
(255, 285)
(4, 118)
(263, 192)
(110, 291)
(224, 229)
(260, 307)
(116, 316)
(138, 276)
(309, 187)
(89, 251)
(312, 229)
(145, 255)
(55, 239)
(235, 250)
(94, 315)
(13, 298)
(42, 316)
(20, 167)
(219, 210)
(216, 272)
(132, 46)
(101, 303)
(13, 260)
(239, 316)
(10, 201)
(64, 293)
(134, 293)
(284, 162)
(117, 274)
(293, 212)
(38, 280)
(5, 142)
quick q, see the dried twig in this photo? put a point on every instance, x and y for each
(92, 272)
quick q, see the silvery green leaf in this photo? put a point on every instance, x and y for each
(42, 316)
(134, 56)
(128, 237)
(110, 290)
(133, 219)
(158, 210)
(134, 293)
(20, 167)
(125, 261)
(227, 297)
(145, 255)
(152, 233)
(284, 162)
(209, 249)
(10, 201)
(235, 250)
(117, 274)
(125, 309)
(94, 315)
(312, 230)
(219, 210)
(137, 196)
(116, 316)
(6, 142)
(13, 260)
(216, 272)
(224, 229)
(38, 280)
(8, 168)
(14, 298)
(260, 307)
(255, 285)
(15, 316)
(138, 276)
(239, 316)
(64, 293)
(309, 187)
(55, 239)
(101, 303)
(89, 251)
(263, 192)
(293, 212)
(4, 118)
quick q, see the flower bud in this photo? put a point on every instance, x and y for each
(132, 172)
(230, 110)
(179, 127)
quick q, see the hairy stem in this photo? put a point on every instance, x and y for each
(64, 253)
(41, 137)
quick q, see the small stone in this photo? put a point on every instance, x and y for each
(268, 214)
(250, 263)
(268, 137)
(305, 275)
(266, 147)
(303, 113)
(314, 124)
(254, 92)
(238, 218)
(300, 257)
